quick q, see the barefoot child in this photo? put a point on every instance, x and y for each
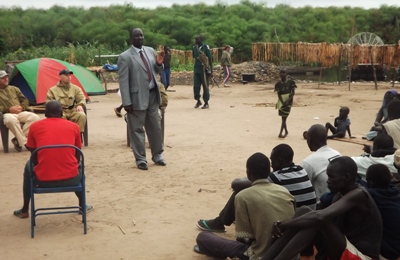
(285, 89)
(341, 124)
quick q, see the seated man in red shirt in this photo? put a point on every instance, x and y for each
(51, 169)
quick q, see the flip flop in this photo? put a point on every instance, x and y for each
(197, 249)
(202, 224)
(89, 208)
(20, 214)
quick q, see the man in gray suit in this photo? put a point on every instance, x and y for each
(138, 68)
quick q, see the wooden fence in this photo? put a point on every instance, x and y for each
(326, 54)
(186, 57)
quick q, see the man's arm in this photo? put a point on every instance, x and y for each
(50, 95)
(351, 200)
(23, 101)
(123, 73)
(80, 97)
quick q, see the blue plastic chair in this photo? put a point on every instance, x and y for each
(57, 210)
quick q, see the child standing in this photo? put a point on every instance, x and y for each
(285, 89)
(341, 124)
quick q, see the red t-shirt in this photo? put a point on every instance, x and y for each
(57, 163)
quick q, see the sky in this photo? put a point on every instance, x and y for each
(46, 4)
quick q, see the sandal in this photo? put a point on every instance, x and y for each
(20, 214)
(203, 225)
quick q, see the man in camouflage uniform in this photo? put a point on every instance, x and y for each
(202, 71)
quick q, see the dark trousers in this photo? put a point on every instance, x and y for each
(165, 77)
(199, 78)
(213, 245)
(47, 184)
(227, 214)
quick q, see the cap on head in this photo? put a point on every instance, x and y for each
(65, 72)
(227, 46)
(3, 74)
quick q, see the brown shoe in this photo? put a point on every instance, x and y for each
(117, 112)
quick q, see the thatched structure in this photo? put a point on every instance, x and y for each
(326, 54)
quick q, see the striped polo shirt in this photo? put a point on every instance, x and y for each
(296, 180)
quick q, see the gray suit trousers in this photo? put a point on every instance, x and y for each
(138, 122)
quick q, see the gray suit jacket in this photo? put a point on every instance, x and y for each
(133, 81)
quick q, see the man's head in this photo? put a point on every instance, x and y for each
(393, 109)
(65, 76)
(382, 141)
(257, 167)
(3, 79)
(137, 38)
(198, 39)
(281, 156)
(316, 137)
(389, 96)
(342, 174)
(166, 49)
(53, 109)
(344, 112)
(378, 176)
(227, 48)
(283, 74)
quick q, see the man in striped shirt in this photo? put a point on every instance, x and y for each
(292, 177)
(286, 173)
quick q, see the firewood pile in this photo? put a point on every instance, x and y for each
(264, 72)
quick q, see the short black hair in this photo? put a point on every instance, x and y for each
(258, 166)
(378, 176)
(284, 151)
(347, 109)
(393, 109)
(346, 164)
(383, 141)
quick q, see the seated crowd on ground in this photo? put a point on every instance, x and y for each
(345, 207)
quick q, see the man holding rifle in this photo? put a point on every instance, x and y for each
(202, 71)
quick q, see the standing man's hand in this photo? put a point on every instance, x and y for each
(79, 109)
(160, 58)
(16, 109)
(129, 109)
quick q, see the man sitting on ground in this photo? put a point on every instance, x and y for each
(52, 169)
(387, 198)
(71, 98)
(316, 163)
(350, 228)
(286, 174)
(257, 208)
(382, 152)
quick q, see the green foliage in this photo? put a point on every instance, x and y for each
(75, 33)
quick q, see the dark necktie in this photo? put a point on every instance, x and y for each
(146, 64)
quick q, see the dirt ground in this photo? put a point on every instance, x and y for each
(152, 214)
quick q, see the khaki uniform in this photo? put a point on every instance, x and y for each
(70, 97)
(12, 96)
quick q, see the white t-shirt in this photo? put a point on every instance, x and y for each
(315, 166)
(363, 162)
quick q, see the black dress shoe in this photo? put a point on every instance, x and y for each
(161, 163)
(205, 106)
(198, 104)
(142, 166)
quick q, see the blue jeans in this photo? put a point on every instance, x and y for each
(165, 77)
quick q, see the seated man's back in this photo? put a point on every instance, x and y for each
(53, 165)
(387, 198)
(257, 208)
